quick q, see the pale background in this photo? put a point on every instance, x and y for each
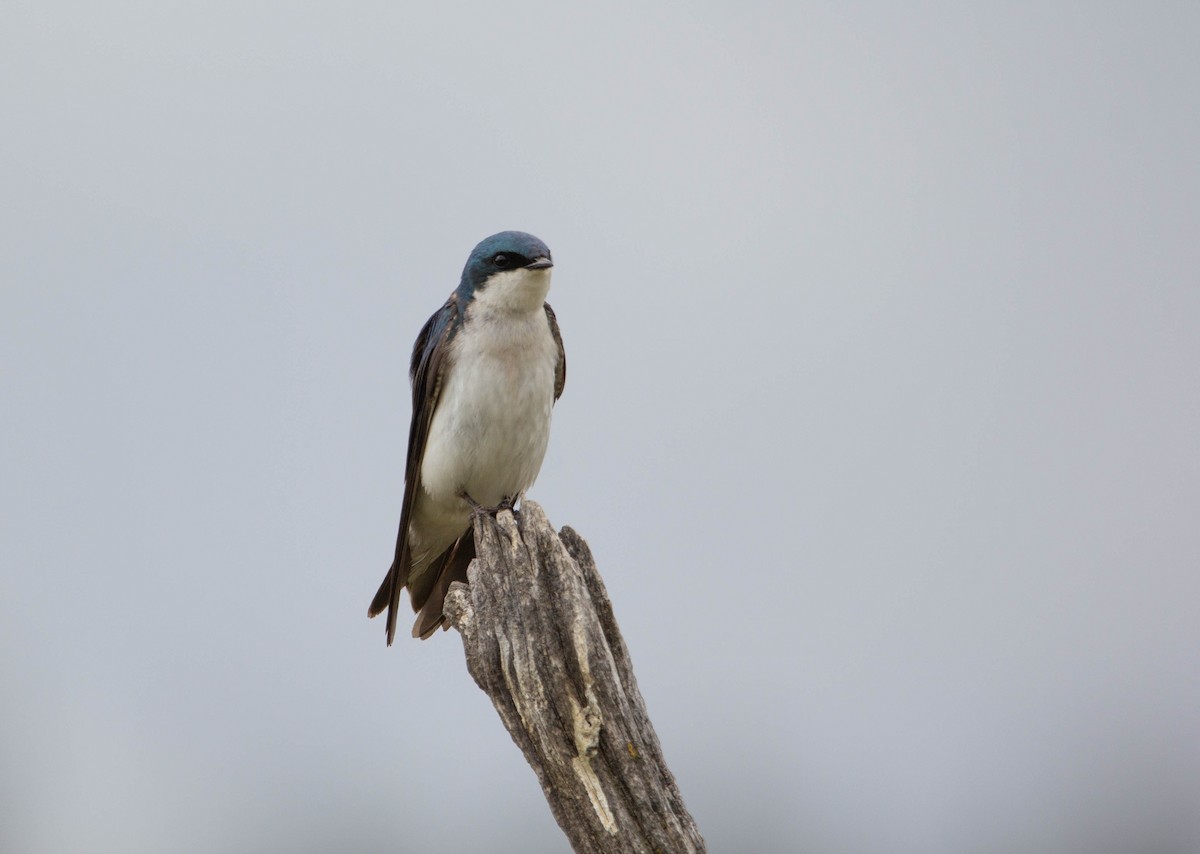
(882, 417)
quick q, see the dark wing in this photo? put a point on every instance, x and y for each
(560, 370)
(425, 372)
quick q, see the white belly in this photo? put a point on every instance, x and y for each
(492, 424)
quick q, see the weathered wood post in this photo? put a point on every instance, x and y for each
(540, 639)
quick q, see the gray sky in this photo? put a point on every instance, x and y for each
(882, 415)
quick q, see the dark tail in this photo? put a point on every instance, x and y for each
(388, 596)
(450, 566)
(381, 598)
(453, 567)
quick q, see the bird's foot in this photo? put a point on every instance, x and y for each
(478, 509)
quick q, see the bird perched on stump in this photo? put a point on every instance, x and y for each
(486, 371)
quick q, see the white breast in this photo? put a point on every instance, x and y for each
(492, 424)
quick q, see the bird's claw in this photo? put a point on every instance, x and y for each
(477, 509)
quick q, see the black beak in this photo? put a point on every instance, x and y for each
(539, 264)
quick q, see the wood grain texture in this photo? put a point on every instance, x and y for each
(541, 640)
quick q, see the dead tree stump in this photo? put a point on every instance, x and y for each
(540, 639)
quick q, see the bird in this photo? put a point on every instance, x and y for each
(486, 371)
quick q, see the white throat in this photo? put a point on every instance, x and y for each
(519, 291)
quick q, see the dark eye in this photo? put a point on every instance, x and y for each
(501, 261)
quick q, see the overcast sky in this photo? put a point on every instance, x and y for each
(882, 416)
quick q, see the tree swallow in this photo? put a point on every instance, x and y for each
(486, 371)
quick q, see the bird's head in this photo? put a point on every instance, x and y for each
(509, 270)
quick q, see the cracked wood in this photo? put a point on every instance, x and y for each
(541, 640)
